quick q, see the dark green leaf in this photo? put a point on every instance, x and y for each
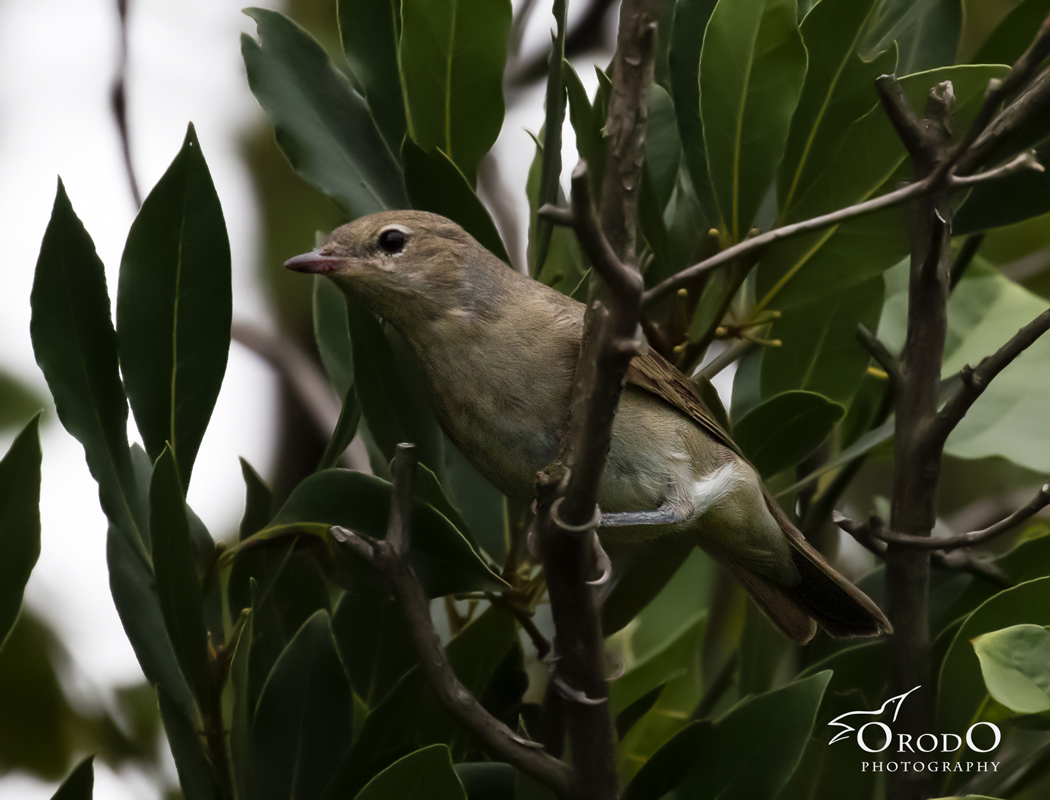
(751, 71)
(18, 402)
(479, 504)
(444, 561)
(174, 308)
(80, 784)
(19, 521)
(587, 123)
(635, 711)
(178, 586)
(484, 780)
(322, 124)
(926, 32)
(690, 22)
(642, 569)
(426, 774)
(345, 430)
(452, 56)
(550, 170)
(374, 643)
(258, 502)
(76, 348)
(663, 147)
(819, 349)
(304, 722)
(563, 266)
(1015, 662)
(839, 88)
(756, 747)
(1006, 200)
(429, 489)
(196, 777)
(243, 713)
(1012, 36)
(369, 30)
(785, 429)
(437, 185)
(332, 334)
(668, 765)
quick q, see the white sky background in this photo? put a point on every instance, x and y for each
(57, 61)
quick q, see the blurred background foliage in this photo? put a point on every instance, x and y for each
(704, 668)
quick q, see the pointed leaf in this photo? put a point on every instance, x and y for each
(1015, 662)
(80, 784)
(19, 521)
(1012, 36)
(374, 643)
(18, 401)
(669, 765)
(437, 185)
(426, 774)
(304, 722)
(785, 429)
(563, 267)
(76, 347)
(452, 56)
(751, 72)
(258, 502)
(322, 124)
(196, 778)
(174, 308)
(926, 32)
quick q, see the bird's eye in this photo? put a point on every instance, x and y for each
(392, 241)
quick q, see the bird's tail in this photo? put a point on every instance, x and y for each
(821, 595)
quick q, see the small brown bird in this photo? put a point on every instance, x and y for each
(499, 353)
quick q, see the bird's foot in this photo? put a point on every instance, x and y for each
(664, 515)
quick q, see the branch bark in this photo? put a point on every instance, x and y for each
(388, 556)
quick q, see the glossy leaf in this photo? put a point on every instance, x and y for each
(1015, 662)
(756, 747)
(19, 521)
(332, 334)
(687, 35)
(304, 722)
(452, 56)
(369, 31)
(668, 765)
(926, 32)
(374, 644)
(819, 349)
(321, 123)
(174, 308)
(442, 558)
(258, 502)
(1007, 200)
(80, 784)
(563, 267)
(437, 185)
(196, 778)
(839, 88)
(960, 688)
(426, 774)
(785, 429)
(751, 71)
(76, 347)
(1012, 36)
(178, 586)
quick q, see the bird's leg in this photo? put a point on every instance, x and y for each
(666, 514)
(705, 493)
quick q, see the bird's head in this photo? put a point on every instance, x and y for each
(406, 266)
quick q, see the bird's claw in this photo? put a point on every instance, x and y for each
(604, 564)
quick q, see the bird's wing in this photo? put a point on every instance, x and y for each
(651, 372)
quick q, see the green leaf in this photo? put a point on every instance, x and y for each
(346, 427)
(487, 780)
(819, 349)
(393, 411)
(321, 123)
(757, 746)
(1007, 200)
(304, 722)
(663, 147)
(668, 765)
(196, 778)
(554, 106)
(437, 185)
(258, 502)
(18, 402)
(475, 501)
(174, 308)
(690, 21)
(563, 267)
(243, 713)
(752, 67)
(178, 586)
(926, 32)
(332, 334)
(1012, 36)
(444, 560)
(1015, 662)
(588, 123)
(676, 667)
(80, 783)
(76, 348)
(369, 31)
(452, 56)
(374, 643)
(429, 489)
(19, 521)
(426, 774)
(839, 88)
(960, 689)
(804, 268)
(785, 429)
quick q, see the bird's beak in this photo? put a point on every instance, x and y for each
(314, 261)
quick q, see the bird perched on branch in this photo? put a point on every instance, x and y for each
(499, 353)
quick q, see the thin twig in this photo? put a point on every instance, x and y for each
(965, 257)
(388, 556)
(119, 102)
(976, 379)
(880, 353)
(758, 243)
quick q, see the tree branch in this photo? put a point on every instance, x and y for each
(880, 353)
(388, 556)
(758, 243)
(976, 379)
